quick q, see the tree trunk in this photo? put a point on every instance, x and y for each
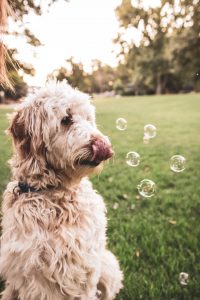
(158, 85)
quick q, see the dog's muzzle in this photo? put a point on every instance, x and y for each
(101, 150)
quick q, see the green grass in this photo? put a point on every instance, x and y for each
(152, 251)
(5, 149)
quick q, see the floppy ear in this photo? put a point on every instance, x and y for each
(21, 137)
(26, 132)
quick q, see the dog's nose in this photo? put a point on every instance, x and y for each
(101, 149)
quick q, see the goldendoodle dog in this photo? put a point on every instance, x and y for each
(53, 244)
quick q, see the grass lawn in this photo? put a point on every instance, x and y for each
(156, 238)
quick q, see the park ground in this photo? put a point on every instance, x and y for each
(154, 238)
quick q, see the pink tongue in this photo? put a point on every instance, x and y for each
(101, 151)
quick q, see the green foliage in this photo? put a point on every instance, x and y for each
(20, 9)
(13, 66)
(100, 80)
(165, 61)
(75, 74)
(20, 87)
(152, 251)
(24, 7)
(103, 76)
(168, 55)
(31, 39)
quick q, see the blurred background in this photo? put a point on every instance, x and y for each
(123, 47)
(141, 61)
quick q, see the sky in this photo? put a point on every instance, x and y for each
(84, 29)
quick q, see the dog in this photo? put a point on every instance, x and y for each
(53, 244)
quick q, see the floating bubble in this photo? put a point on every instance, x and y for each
(121, 124)
(146, 188)
(149, 131)
(177, 163)
(183, 278)
(133, 159)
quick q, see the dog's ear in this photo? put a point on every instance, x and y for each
(21, 137)
(17, 128)
(26, 132)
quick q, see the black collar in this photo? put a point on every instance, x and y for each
(25, 188)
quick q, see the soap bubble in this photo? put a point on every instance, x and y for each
(132, 159)
(149, 131)
(183, 278)
(121, 124)
(146, 188)
(177, 163)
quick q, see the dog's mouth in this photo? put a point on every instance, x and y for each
(99, 151)
(88, 163)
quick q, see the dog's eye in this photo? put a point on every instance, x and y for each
(67, 120)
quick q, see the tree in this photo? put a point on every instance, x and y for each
(186, 51)
(101, 78)
(13, 66)
(73, 72)
(20, 9)
(152, 62)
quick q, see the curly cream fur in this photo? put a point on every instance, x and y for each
(53, 245)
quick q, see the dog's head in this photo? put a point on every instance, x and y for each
(56, 129)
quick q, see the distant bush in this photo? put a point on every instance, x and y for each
(20, 88)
